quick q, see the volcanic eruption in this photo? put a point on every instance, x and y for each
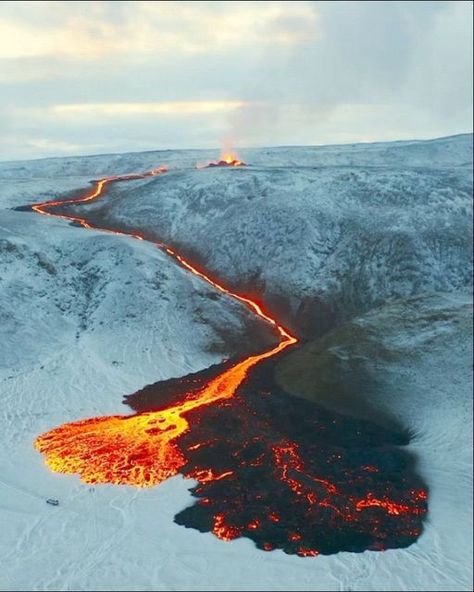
(228, 158)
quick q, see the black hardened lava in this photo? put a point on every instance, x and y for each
(289, 475)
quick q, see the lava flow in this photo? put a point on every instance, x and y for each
(140, 450)
(275, 469)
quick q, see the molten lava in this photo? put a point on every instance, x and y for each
(285, 475)
(227, 159)
(140, 450)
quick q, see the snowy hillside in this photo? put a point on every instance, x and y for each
(341, 238)
(367, 244)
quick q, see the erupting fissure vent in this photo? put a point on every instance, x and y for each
(227, 159)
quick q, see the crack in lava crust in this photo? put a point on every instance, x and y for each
(259, 475)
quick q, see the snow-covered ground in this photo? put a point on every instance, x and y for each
(86, 317)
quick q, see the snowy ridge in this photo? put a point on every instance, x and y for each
(440, 152)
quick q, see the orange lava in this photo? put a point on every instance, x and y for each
(390, 507)
(293, 473)
(141, 449)
(224, 531)
(226, 159)
(230, 158)
(303, 552)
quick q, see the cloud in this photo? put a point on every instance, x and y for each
(410, 61)
(131, 109)
(118, 76)
(90, 30)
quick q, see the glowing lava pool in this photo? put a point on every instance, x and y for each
(270, 467)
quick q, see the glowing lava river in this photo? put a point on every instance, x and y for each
(270, 467)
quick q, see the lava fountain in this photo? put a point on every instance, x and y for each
(228, 158)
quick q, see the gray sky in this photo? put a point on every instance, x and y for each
(92, 77)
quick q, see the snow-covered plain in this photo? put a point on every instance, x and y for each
(324, 234)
